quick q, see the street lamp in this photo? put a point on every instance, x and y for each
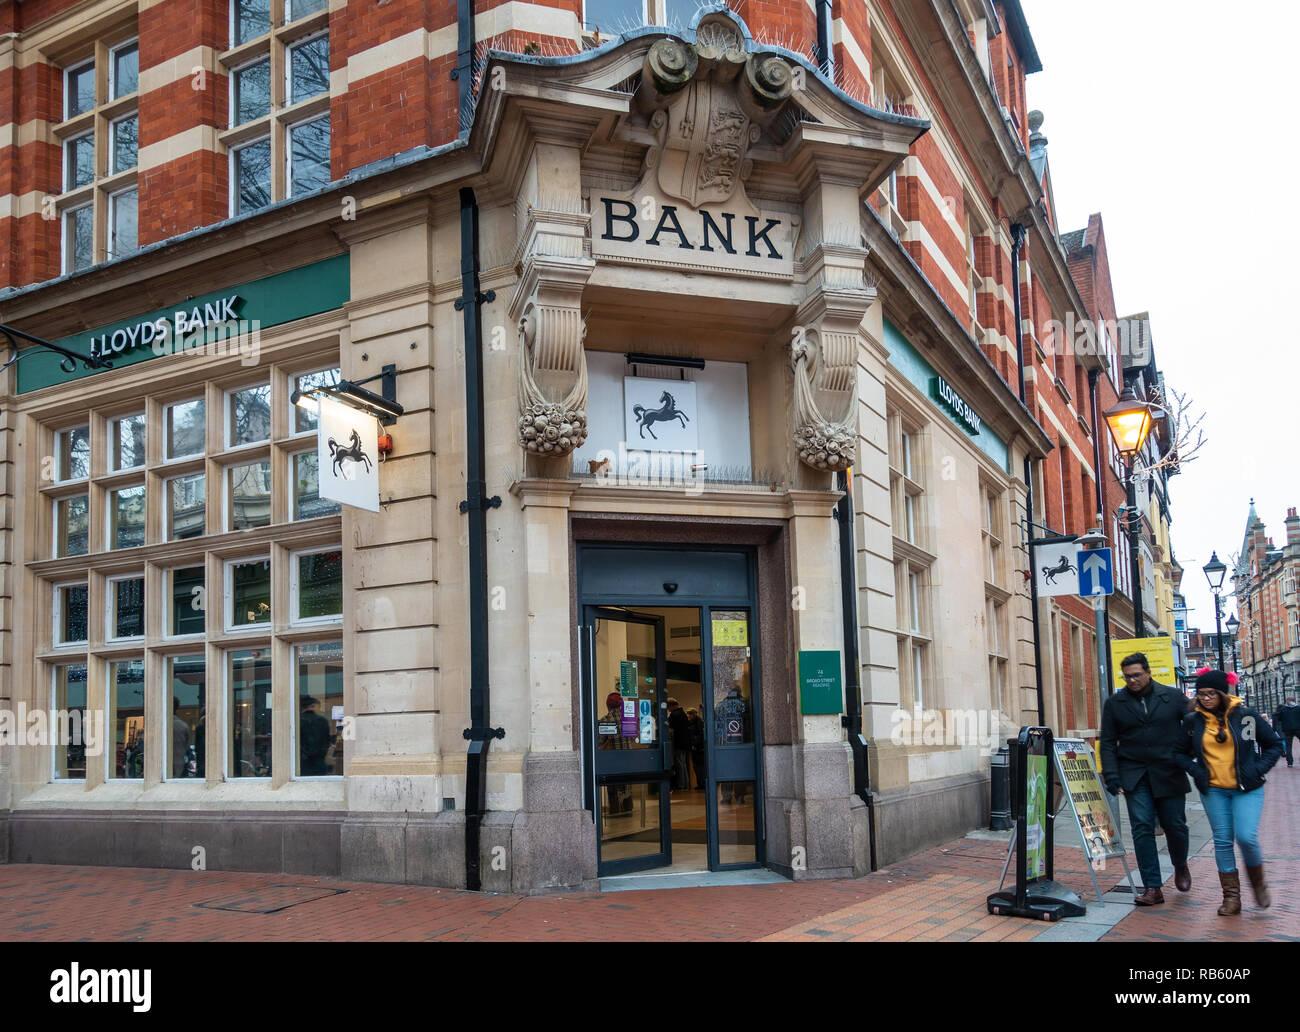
(1130, 421)
(1214, 571)
(1233, 623)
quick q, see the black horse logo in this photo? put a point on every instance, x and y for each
(666, 412)
(1064, 566)
(353, 452)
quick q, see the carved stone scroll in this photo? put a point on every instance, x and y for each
(824, 357)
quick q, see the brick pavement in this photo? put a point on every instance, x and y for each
(937, 895)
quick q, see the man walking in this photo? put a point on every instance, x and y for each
(1286, 722)
(1140, 728)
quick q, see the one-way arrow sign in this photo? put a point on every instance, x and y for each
(1095, 575)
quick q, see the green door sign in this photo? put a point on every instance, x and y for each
(821, 686)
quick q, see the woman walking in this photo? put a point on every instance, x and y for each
(1227, 751)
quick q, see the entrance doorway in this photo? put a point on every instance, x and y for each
(672, 734)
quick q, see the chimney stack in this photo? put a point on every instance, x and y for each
(1292, 528)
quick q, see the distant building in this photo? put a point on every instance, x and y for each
(1266, 580)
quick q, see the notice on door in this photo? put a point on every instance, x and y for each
(730, 633)
(627, 686)
(628, 723)
(647, 722)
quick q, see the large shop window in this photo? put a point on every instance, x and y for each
(279, 129)
(145, 551)
(908, 475)
(99, 137)
(993, 533)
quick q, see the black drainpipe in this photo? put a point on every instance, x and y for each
(463, 73)
(825, 58)
(1094, 376)
(476, 504)
(852, 719)
(1017, 240)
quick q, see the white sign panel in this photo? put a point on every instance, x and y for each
(1057, 568)
(347, 450)
(660, 415)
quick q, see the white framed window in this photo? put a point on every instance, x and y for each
(78, 238)
(316, 586)
(124, 70)
(71, 614)
(126, 515)
(318, 709)
(186, 603)
(307, 68)
(250, 91)
(247, 593)
(248, 495)
(71, 526)
(126, 720)
(126, 441)
(305, 488)
(123, 143)
(250, 176)
(306, 416)
(79, 89)
(919, 685)
(246, 686)
(184, 429)
(914, 592)
(124, 615)
(184, 706)
(72, 454)
(308, 156)
(248, 20)
(295, 9)
(79, 161)
(248, 415)
(68, 701)
(186, 500)
(123, 220)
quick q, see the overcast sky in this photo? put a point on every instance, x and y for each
(1178, 125)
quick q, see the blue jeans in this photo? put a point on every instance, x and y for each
(1234, 814)
(1144, 810)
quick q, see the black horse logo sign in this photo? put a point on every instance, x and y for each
(1050, 573)
(665, 413)
(351, 453)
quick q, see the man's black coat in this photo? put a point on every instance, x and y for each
(1135, 741)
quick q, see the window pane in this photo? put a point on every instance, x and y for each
(252, 19)
(309, 156)
(307, 502)
(126, 717)
(72, 525)
(188, 601)
(73, 609)
(126, 600)
(250, 495)
(249, 715)
(309, 69)
(306, 419)
(250, 415)
(320, 585)
(733, 712)
(185, 429)
(80, 86)
(302, 8)
(124, 213)
(252, 92)
(128, 442)
(70, 698)
(126, 516)
(186, 508)
(250, 593)
(187, 720)
(737, 841)
(79, 162)
(79, 241)
(320, 709)
(126, 70)
(612, 16)
(253, 176)
(74, 453)
(126, 143)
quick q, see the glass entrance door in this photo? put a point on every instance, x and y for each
(626, 698)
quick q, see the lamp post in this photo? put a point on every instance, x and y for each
(1233, 623)
(1214, 571)
(1129, 421)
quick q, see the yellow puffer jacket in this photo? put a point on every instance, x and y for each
(1220, 757)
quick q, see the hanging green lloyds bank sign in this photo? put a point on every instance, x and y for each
(226, 322)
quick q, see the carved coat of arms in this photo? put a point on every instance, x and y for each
(704, 137)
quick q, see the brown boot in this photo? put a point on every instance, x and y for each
(1262, 896)
(1182, 879)
(1231, 883)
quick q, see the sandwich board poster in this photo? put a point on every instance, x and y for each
(1092, 813)
(1036, 818)
(347, 455)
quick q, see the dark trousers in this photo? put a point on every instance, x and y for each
(1144, 810)
(697, 761)
(681, 768)
(1288, 735)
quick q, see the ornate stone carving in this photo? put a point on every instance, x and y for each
(824, 356)
(550, 339)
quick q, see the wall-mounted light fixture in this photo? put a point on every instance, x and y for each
(383, 407)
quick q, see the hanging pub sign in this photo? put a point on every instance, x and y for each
(347, 455)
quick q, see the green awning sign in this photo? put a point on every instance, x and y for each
(821, 688)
